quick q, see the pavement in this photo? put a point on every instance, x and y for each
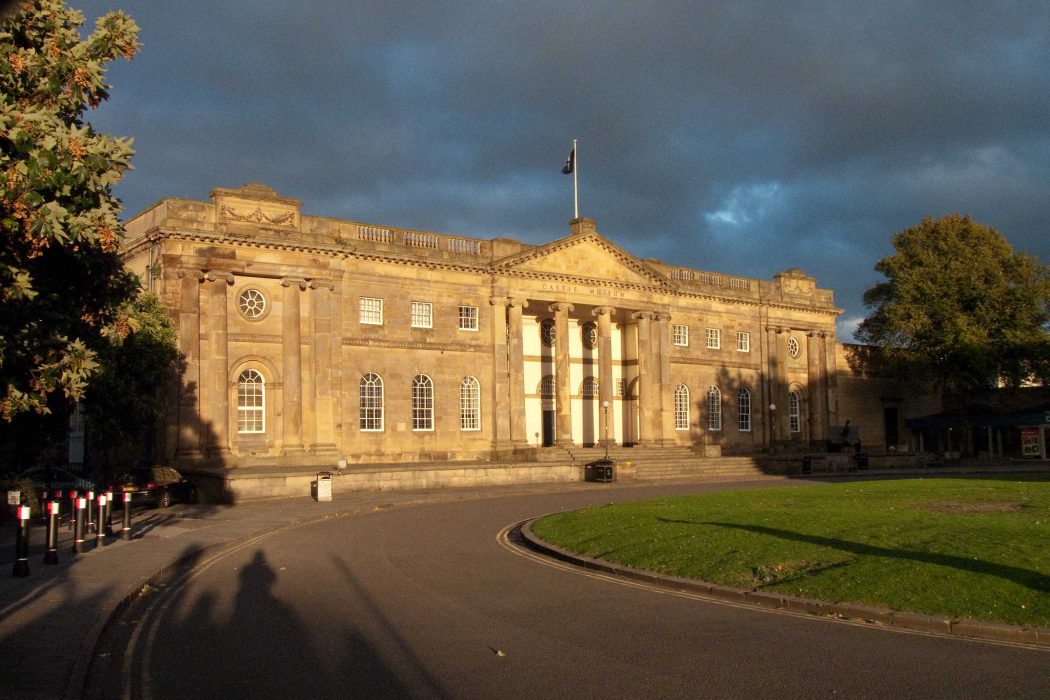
(51, 620)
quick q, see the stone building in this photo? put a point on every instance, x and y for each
(309, 340)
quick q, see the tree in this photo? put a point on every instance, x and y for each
(123, 403)
(64, 292)
(959, 306)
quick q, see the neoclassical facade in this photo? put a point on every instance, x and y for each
(309, 340)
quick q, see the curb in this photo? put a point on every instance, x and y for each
(1037, 637)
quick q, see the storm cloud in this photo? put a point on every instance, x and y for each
(743, 138)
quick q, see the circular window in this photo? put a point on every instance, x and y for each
(547, 333)
(793, 347)
(590, 335)
(252, 304)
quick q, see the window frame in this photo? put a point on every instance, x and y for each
(472, 318)
(421, 314)
(422, 404)
(743, 341)
(254, 414)
(714, 338)
(368, 312)
(680, 335)
(714, 409)
(368, 414)
(794, 412)
(743, 410)
(469, 404)
(681, 407)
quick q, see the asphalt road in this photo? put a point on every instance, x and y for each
(431, 601)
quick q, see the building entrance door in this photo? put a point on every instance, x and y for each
(890, 422)
(548, 428)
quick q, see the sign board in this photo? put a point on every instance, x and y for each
(14, 498)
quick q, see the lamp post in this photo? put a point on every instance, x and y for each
(605, 407)
(772, 424)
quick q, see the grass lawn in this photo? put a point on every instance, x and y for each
(974, 548)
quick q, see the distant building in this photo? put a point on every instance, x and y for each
(308, 340)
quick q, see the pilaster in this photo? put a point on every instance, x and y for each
(291, 350)
(516, 367)
(647, 413)
(563, 392)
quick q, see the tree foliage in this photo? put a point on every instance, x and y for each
(959, 306)
(63, 290)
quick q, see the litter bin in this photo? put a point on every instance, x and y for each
(862, 460)
(807, 465)
(324, 486)
(602, 470)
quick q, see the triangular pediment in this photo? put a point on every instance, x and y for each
(590, 257)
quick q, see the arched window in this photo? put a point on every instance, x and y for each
(743, 410)
(251, 402)
(590, 335)
(371, 403)
(681, 407)
(422, 403)
(794, 413)
(547, 387)
(469, 404)
(589, 388)
(714, 409)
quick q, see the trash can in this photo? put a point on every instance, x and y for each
(324, 487)
(807, 465)
(862, 460)
(602, 470)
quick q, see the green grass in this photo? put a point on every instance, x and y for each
(975, 548)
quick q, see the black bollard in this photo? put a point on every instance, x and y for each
(109, 514)
(89, 524)
(43, 500)
(22, 543)
(51, 555)
(72, 508)
(100, 530)
(78, 533)
(125, 530)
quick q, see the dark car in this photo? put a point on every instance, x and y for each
(156, 486)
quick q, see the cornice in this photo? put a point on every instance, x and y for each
(410, 345)
(721, 364)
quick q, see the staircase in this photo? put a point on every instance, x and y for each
(664, 463)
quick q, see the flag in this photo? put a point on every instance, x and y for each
(570, 163)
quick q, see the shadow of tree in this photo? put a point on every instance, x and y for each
(1028, 578)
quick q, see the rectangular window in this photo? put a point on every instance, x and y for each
(371, 311)
(422, 314)
(681, 335)
(714, 338)
(468, 318)
(619, 387)
(743, 341)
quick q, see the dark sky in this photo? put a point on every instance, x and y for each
(739, 137)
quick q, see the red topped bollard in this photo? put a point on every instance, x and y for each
(22, 543)
(51, 555)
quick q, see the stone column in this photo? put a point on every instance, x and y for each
(189, 434)
(605, 378)
(322, 397)
(563, 391)
(780, 355)
(665, 398)
(500, 381)
(817, 378)
(827, 361)
(291, 347)
(646, 408)
(215, 365)
(516, 367)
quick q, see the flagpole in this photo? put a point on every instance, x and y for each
(575, 182)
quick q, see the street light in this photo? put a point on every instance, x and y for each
(772, 423)
(605, 407)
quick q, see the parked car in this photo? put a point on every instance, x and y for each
(52, 479)
(156, 486)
